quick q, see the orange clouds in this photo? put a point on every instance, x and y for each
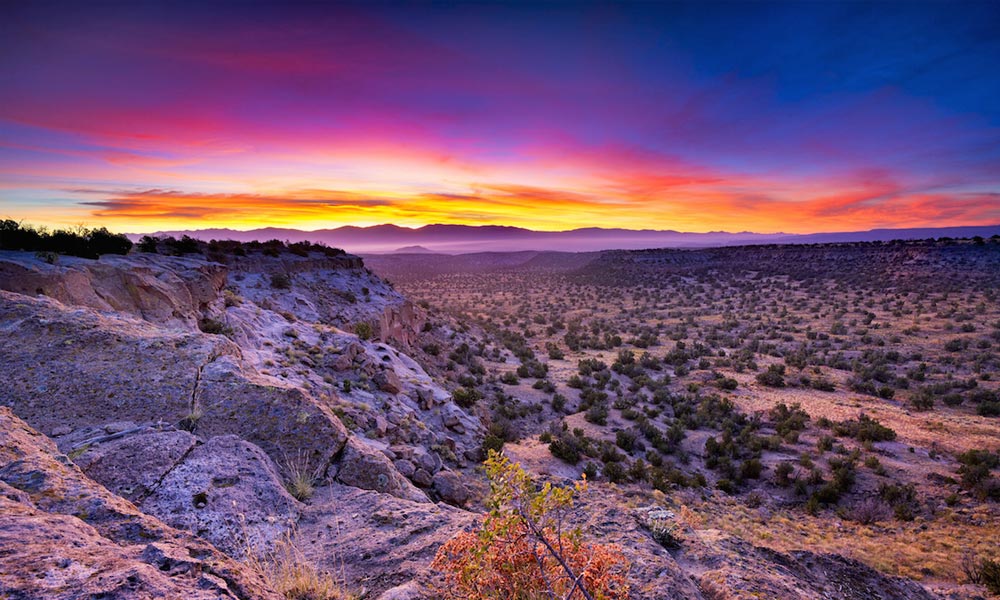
(687, 208)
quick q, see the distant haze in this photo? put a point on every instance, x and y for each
(459, 239)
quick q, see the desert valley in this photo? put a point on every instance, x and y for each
(260, 419)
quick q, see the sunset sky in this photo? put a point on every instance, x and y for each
(796, 117)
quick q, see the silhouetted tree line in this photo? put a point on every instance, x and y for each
(189, 245)
(83, 242)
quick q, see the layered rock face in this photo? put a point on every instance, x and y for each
(402, 324)
(206, 432)
(172, 291)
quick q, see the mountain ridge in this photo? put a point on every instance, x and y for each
(461, 239)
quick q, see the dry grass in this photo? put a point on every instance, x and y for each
(300, 477)
(947, 429)
(928, 550)
(297, 579)
(290, 574)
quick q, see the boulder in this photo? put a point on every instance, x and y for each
(281, 419)
(365, 467)
(427, 460)
(405, 467)
(227, 491)
(133, 466)
(422, 478)
(76, 539)
(450, 488)
(401, 324)
(388, 381)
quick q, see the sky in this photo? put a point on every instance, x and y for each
(748, 116)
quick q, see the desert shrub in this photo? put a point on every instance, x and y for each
(522, 550)
(774, 376)
(614, 472)
(510, 378)
(231, 298)
(751, 469)
(625, 439)
(864, 429)
(902, 498)
(726, 486)
(663, 528)
(597, 414)
(990, 572)
(567, 447)
(364, 330)
(301, 476)
(982, 571)
(466, 397)
(955, 345)
(870, 510)
(822, 384)
(492, 443)
(281, 281)
(209, 325)
(782, 474)
(923, 400)
(975, 469)
(788, 420)
(990, 408)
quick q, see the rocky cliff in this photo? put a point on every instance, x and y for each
(203, 393)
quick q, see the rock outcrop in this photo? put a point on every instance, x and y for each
(366, 467)
(167, 290)
(738, 570)
(78, 368)
(401, 324)
(376, 540)
(203, 431)
(229, 493)
(65, 536)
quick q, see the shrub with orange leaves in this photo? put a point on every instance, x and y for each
(524, 552)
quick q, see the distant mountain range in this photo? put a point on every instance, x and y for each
(459, 239)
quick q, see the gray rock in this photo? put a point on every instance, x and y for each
(376, 541)
(228, 492)
(61, 430)
(405, 467)
(422, 478)
(100, 368)
(365, 467)
(75, 539)
(426, 460)
(161, 289)
(133, 466)
(449, 486)
(410, 590)
(388, 381)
